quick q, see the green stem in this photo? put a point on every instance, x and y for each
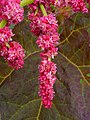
(26, 2)
(3, 23)
(43, 10)
(7, 45)
(36, 11)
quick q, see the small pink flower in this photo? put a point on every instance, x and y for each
(45, 27)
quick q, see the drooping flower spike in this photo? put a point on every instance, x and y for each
(10, 13)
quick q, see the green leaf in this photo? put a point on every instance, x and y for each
(81, 81)
(88, 75)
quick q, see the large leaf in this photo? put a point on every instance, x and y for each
(19, 89)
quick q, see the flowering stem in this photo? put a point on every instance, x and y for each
(45, 14)
(3, 23)
(26, 2)
(43, 10)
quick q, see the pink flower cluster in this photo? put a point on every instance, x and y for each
(78, 6)
(14, 55)
(45, 28)
(47, 78)
(5, 35)
(47, 41)
(11, 11)
(5, 38)
(43, 25)
(12, 51)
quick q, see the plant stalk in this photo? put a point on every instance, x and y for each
(26, 2)
(45, 14)
(43, 10)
